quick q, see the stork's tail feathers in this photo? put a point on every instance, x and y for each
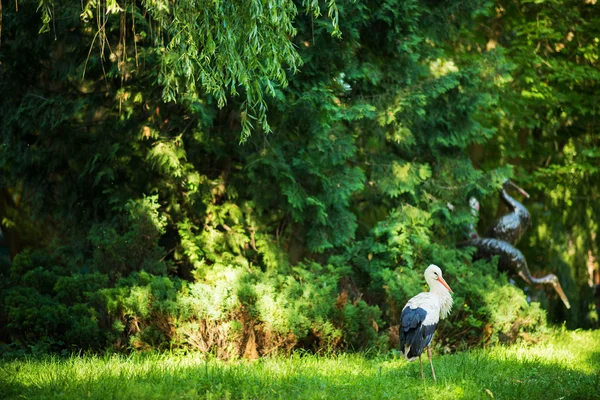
(407, 354)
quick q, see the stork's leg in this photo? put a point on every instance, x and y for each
(430, 362)
(421, 365)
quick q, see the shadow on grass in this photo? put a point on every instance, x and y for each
(476, 375)
(594, 359)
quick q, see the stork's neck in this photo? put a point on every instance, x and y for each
(443, 296)
(514, 205)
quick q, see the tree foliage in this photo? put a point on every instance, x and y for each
(548, 131)
(137, 220)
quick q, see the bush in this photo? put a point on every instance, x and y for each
(236, 309)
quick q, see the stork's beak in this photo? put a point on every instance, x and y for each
(524, 193)
(561, 294)
(443, 282)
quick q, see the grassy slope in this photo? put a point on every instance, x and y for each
(567, 366)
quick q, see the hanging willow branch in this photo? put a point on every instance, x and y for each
(211, 46)
(221, 47)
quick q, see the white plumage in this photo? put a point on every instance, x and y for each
(421, 314)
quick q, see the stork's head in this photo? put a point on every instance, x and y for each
(433, 277)
(510, 184)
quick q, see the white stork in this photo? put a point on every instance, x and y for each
(421, 314)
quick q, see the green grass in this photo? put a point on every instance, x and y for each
(567, 366)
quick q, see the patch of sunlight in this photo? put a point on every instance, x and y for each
(542, 229)
(442, 67)
(570, 151)
(502, 79)
(532, 94)
(341, 80)
(7, 223)
(568, 349)
(446, 391)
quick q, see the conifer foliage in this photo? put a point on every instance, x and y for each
(137, 220)
(547, 127)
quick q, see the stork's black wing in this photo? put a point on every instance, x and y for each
(414, 334)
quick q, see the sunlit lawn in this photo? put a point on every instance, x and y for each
(565, 367)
